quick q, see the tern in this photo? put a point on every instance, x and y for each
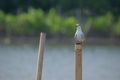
(79, 35)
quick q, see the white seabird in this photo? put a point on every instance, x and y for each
(79, 36)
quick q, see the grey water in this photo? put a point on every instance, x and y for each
(19, 62)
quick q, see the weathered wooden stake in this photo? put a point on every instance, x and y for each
(78, 61)
(79, 39)
(40, 56)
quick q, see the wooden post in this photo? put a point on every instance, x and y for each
(40, 56)
(79, 38)
(78, 61)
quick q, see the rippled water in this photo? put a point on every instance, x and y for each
(18, 62)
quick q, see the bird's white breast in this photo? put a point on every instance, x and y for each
(79, 36)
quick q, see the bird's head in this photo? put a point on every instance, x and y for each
(78, 27)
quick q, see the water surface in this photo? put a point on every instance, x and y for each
(18, 62)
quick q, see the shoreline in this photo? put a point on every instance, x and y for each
(93, 40)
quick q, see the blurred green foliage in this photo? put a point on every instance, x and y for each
(104, 26)
(34, 21)
(117, 27)
(94, 6)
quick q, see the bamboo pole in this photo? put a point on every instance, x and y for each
(40, 56)
(78, 61)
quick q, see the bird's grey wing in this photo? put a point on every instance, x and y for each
(75, 36)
